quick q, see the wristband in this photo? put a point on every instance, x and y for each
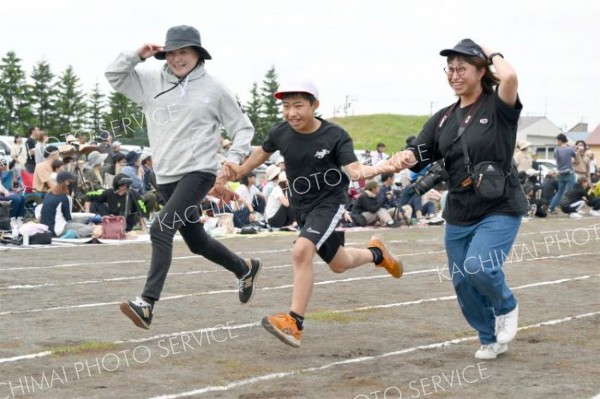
(491, 57)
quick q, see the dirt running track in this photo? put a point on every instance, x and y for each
(367, 335)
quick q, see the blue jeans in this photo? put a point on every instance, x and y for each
(476, 254)
(17, 207)
(565, 183)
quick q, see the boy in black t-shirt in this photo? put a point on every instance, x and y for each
(315, 152)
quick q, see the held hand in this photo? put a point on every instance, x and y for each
(403, 160)
(231, 171)
(148, 50)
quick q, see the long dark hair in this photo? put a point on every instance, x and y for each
(61, 188)
(489, 80)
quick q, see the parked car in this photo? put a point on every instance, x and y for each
(546, 165)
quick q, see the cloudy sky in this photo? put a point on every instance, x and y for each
(380, 55)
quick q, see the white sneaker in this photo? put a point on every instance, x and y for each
(506, 326)
(490, 351)
(594, 213)
(575, 215)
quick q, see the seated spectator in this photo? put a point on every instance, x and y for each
(228, 201)
(549, 186)
(370, 208)
(150, 178)
(430, 203)
(134, 170)
(57, 167)
(575, 199)
(366, 158)
(278, 211)
(273, 172)
(593, 202)
(118, 200)
(92, 171)
(281, 163)
(251, 193)
(17, 206)
(409, 197)
(390, 197)
(56, 210)
(104, 140)
(42, 180)
(119, 162)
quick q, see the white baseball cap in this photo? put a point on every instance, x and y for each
(301, 86)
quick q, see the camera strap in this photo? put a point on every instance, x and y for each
(463, 125)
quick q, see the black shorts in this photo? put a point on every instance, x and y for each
(318, 226)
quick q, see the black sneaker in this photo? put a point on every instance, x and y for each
(139, 311)
(247, 284)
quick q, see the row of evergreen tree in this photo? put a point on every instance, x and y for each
(59, 105)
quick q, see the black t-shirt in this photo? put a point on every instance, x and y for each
(116, 203)
(29, 145)
(577, 193)
(490, 136)
(313, 163)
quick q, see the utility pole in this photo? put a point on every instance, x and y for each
(348, 104)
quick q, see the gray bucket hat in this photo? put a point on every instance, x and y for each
(180, 37)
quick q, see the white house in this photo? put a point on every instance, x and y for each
(540, 132)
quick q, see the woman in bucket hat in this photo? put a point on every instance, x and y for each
(185, 106)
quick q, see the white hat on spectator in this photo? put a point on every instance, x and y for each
(272, 172)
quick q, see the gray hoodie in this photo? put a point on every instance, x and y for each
(184, 123)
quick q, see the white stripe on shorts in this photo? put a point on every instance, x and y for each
(332, 225)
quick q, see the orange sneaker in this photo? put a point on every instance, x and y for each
(284, 327)
(390, 261)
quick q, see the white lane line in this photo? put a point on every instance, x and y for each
(220, 269)
(119, 279)
(118, 262)
(25, 357)
(239, 326)
(214, 292)
(450, 297)
(285, 374)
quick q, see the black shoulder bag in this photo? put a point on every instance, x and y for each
(488, 178)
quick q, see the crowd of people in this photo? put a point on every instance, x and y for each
(316, 185)
(573, 187)
(101, 179)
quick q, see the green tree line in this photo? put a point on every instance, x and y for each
(59, 105)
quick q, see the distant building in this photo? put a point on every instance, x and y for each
(593, 141)
(578, 132)
(540, 132)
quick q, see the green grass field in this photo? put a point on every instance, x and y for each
(368, 130)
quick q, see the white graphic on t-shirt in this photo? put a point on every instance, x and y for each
(321, 153)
